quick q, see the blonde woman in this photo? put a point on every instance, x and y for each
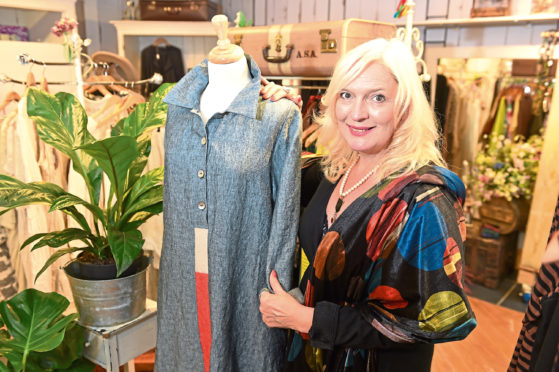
(382, 239)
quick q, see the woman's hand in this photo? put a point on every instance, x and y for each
(281, 310)
(276, 92)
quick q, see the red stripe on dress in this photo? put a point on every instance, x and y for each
(204, 320)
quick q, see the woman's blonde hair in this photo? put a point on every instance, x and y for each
(414, 143)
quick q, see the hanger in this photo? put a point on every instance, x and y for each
(30, 82)
(44, 85)
(10, 97)
(159, 41)
(96, 87)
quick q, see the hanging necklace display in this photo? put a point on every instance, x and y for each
(343, 193)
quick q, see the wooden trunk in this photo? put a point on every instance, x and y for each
(178, 10)
(488, 261)
(306, 49)
(508, 216)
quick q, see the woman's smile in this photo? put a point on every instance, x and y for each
(359, 131)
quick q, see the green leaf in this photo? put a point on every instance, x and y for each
(152, 196)
(80, 365)
(146, 182)
(63, 356)
(57, 239)
(56, 255)
(95, 176)
(33, 321)
(78, 217)
(125, 246)
(14, 193)
(114, 155)
(146, 116)
(3, 367)
(135, 172)
(69, 200)
(31, 239)
(147, 212)
(61, 120)
(62, 123)
(144, 143)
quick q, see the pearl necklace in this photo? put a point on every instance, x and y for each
(343, 194)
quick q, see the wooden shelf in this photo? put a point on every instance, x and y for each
(164, 28)
(487, 21)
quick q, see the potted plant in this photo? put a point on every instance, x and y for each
(36, 336)
(133, 197)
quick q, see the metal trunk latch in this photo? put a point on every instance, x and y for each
(327, 45)
(237, 38)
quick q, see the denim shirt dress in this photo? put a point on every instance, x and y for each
(238, 178)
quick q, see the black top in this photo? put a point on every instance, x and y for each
(166, 60)
(342, 326)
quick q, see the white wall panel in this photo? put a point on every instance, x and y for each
(336, 10)
(536, 31)
(248, 9)
(109, 10)
(420, 11)
(460, 9)
(518, 35)
(307, 10)
(294, 9)
(386, 10)
(277, 12)
(433, 35)
(321, 10)
(436, 8)
(259, 12)
(353, 9)
(453, 37)
(230, 8)
(266, 12)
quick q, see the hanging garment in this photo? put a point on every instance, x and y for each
(152, 229)
(8, 280)
(237, 181)
(386, 280)
(166, 60)
(537, 348)
(31, 219)
(9, 219)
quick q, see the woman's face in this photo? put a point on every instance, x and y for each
(365, 110)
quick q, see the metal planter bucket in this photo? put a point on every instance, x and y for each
(105, 303)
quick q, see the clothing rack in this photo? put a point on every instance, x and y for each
(300, 85)
(26, 59)
(155, 79)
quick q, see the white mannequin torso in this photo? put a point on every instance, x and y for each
(225, 82)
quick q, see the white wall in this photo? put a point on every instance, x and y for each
(98, 13)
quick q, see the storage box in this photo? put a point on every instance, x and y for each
(488, 261)
(178, 10)
(306, 49)
(508, 216)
